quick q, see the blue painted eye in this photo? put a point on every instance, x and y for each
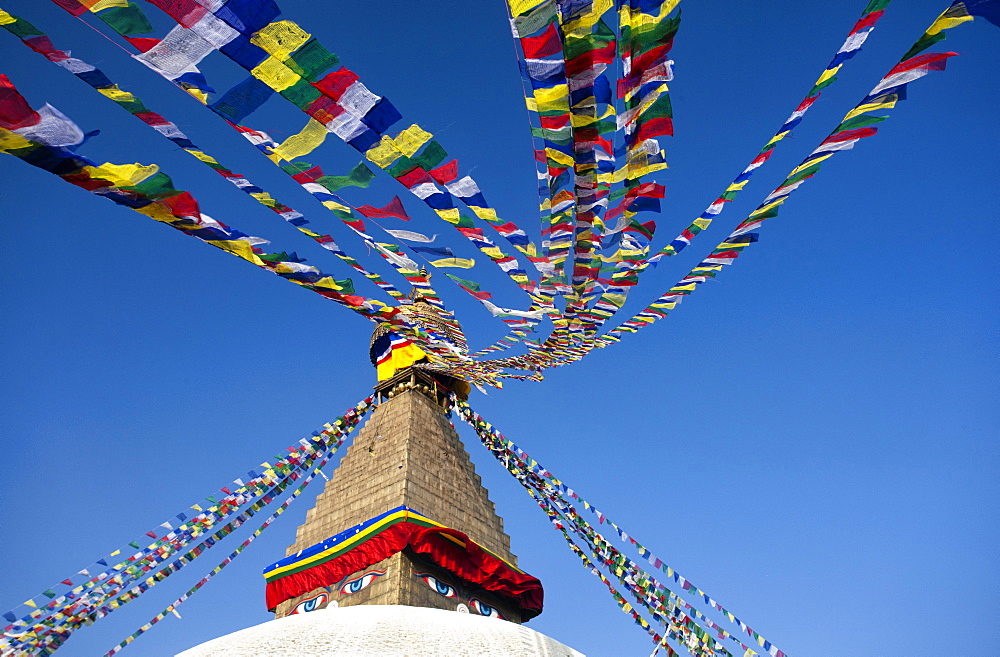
(311, 604)
(362, 582)
(447, 590)
(484, 609)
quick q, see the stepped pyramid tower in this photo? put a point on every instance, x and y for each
(403, 536)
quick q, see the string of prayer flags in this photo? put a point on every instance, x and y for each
(629, 265)
(176, 543)
(856, 37)
(355, 96)
(359, 117)
(101, 83)
(682, 620)
(172, 607)
(129, 102)
(854, 126)
(180, 210)
(407, 143)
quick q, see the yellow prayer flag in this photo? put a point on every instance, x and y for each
(829, 73)
(116, 94)
(553, 98)
(409, 141)
(10, 141)
(486, 214)
(640, 22)
(461, 263)
(122, 175)
(883, 102)
(275, 74)
(581, 25)
(198, 94)
(157, 211)
(519, 7)
(451, 215)
(384, 153)
(306, 141)
(100, 5)
(946, 22)
(204, 157)
(559, 156)
(803, 167)
(280, 38)
(333, 205)
(6, 19)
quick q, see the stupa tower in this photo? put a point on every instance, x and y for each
(406, 466)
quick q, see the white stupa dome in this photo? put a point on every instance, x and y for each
(383, 631)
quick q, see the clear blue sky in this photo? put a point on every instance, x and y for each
(810, 438)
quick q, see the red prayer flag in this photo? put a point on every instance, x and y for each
(657, 127)
(393, 209)
(416, 176)
(934, 61)
(182, 205)
(142, 44)
(309, 175)
(72, 6)
(335, 83)
(867, 21)
(445, 173)
(543, 45)
(185, 12)
(14, 110)
(847, 135)
(42, 44)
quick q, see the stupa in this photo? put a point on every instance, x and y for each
(403, 552)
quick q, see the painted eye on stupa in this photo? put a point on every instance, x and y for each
(484, 609)
(362, 582)
(447, 590)
(311, 604)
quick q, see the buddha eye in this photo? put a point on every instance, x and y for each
(362, 582)
(484, 609)
(311, 604)
(447, 590)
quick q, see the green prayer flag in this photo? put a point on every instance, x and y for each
(859, 122)
(923, 44)
(431, 156)
(301, 94)
(126, 20)
(536, 19)
(157, 186)
(359, 176)
(312, 60)
(463, 282)
(22, 28)
(296, 167)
